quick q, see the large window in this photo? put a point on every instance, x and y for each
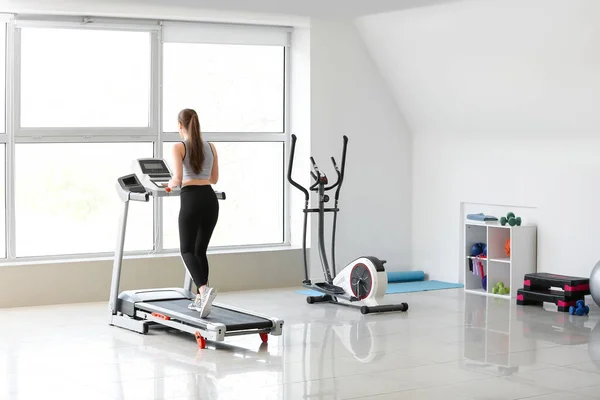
(234, 88)
(81, 98)
(251, 175)
(84, 78)
(66, 201)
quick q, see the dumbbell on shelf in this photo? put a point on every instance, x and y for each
(499, 288)
(511, 220)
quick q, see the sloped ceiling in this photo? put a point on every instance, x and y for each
(485, 67)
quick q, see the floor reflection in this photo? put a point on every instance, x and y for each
(501, 335)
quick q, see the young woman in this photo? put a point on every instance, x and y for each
(195, 169)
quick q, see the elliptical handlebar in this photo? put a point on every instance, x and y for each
(316, 174)
(340, 174)
(315, 166)
(290, 166)
(341, 179)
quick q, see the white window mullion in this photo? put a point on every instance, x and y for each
(154, 110)
(231, 137)
(12, 46)
(287, 217)
(16, 79)
(84, 132)
(156, 114)
(84, 139)
(87, 23)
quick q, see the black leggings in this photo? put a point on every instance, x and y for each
(198, 216)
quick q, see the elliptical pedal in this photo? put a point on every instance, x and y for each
(331, 288)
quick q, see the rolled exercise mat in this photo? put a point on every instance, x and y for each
(406, 276)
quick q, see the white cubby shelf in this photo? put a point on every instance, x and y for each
(498, 267)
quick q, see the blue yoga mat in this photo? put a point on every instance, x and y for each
(402, 287)
(405, 276)
(421, 286)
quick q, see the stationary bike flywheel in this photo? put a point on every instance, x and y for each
(361, 281)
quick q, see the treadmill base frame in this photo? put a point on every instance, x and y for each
(142, 320)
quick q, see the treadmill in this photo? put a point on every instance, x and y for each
(137, 310)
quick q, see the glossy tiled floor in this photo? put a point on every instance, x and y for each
(448, 346)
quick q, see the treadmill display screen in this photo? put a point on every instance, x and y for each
(131, 181)
(152, 167)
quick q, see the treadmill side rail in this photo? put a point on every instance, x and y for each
(277, 328)
(214, 332)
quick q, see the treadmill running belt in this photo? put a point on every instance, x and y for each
(233, 320)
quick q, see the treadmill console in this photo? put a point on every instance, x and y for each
(129, 187)
(150, 177)
(154, 174)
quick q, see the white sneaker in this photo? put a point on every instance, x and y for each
(197, 303)
(206, 301)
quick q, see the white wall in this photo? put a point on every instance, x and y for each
(502, 98)
(350, 97)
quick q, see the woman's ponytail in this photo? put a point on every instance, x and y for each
(189, 119)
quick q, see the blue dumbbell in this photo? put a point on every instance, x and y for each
(579, 309)
(573, 310)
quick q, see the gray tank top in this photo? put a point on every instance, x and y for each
(188, 172)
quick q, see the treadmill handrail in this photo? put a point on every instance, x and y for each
(118, 261)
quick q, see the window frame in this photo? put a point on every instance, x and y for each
(285, 234)
(85, 133)
(283, 137)
(75, 256)
(15, 134)
(230, 134)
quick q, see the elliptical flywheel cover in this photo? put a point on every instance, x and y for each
(361, 281)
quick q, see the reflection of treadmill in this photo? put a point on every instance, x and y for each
(203, 374)
(136, 310)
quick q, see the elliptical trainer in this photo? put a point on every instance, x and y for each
(363, 282)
